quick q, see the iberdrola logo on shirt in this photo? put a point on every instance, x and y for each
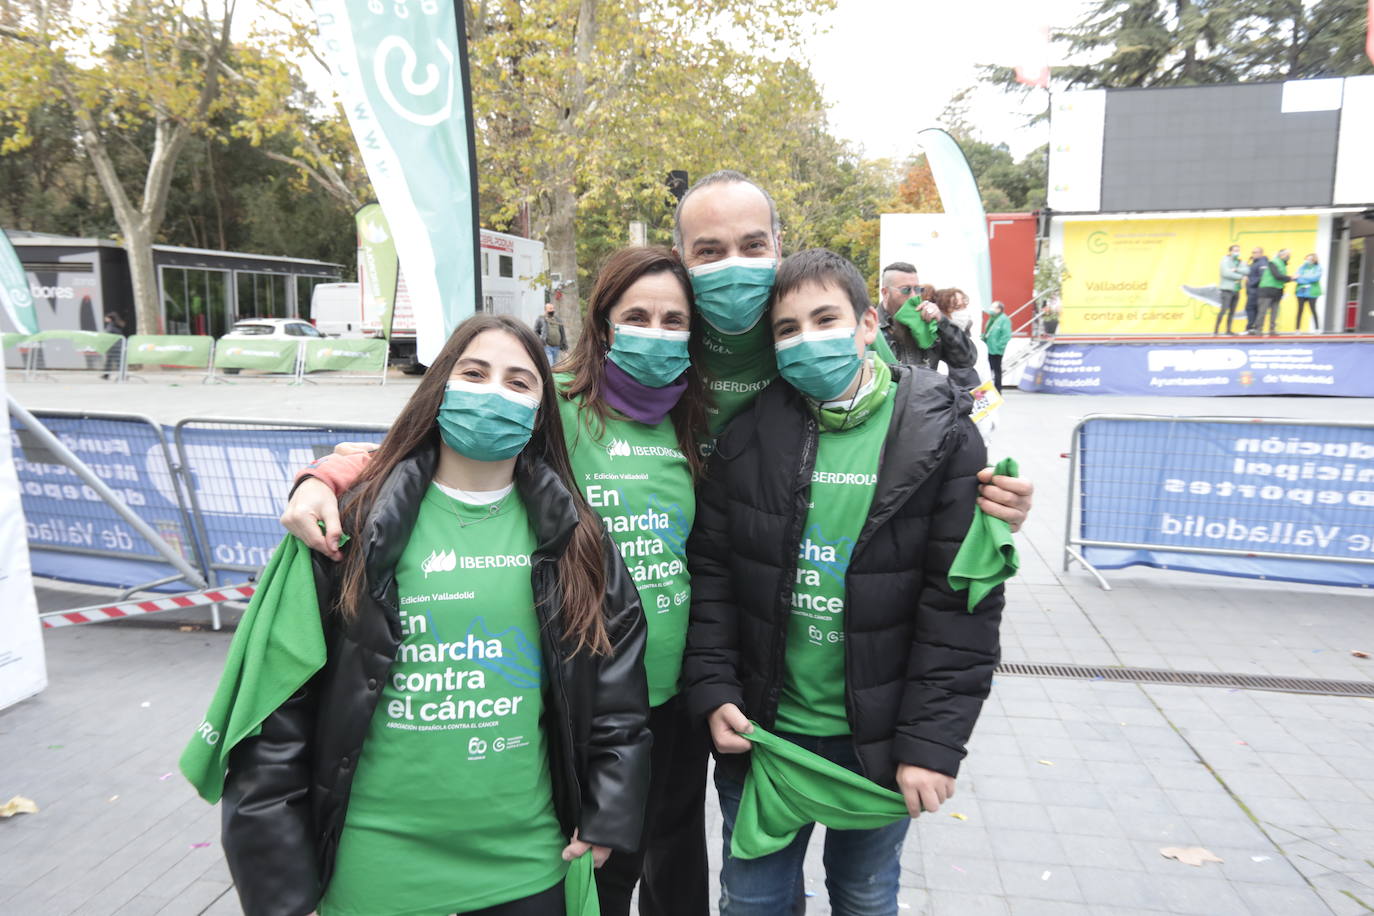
(618, 448)
(439, 561)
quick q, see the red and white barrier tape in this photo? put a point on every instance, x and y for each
(103, 613)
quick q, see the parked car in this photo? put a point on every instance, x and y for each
(275, 328)
(272, 327)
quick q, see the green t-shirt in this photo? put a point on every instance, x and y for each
(636, 478)
(738, 366)
(842, 486)
(452, 806)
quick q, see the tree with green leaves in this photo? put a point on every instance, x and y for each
(151, 61)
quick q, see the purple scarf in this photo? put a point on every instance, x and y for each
(638, 401)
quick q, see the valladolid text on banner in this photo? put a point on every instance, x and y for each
(401, 73)
(1327, 367)
(1236, 497)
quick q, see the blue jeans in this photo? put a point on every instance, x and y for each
(862, 867)
(551, 353)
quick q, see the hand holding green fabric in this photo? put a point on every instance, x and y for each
(924, 332)
(987, 558)
(277, 647)
(579, 887)
(789, 787)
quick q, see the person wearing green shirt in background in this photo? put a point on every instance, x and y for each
(480, 719)
(997, 335)
(828, 523)
(1271, 284)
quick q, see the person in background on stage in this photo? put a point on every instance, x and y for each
(1258, 262)
(1308, 289)
(1232, 273)
(997, 334)
(1272, 282)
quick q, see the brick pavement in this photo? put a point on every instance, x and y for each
(1070, 789)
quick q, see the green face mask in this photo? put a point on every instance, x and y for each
(652, 356)
(819, 364)
(732, 294)
(486, 422)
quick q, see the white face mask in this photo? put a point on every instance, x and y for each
(962, 319)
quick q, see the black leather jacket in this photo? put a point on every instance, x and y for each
(953, 345)
(286, 792)
(918, 665)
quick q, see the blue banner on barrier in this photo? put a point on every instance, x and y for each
(1246, 366)
(72, 533)
(1304, 490)
(240, 478)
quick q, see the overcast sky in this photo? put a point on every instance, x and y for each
(889, 66)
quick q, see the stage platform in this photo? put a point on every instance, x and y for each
(1337, 365)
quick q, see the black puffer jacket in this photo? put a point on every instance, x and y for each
(286, 792)
(953, 345)
(918, 665)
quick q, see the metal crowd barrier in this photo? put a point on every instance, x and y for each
(190, 512)
(1281, 499)
(97, 352)
(238, 474)
(103, 487)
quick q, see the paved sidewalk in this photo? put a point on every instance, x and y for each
(1070, 790)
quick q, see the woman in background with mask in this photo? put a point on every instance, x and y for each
(480, 718)
(634, 408)
(953, 304)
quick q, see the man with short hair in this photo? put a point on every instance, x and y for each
(1232, 272)
(952, 344)
(548, 327)
(1271, 285)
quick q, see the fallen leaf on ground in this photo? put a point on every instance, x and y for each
(1358, 654)
(959, 817)
(18, 805)
(1189, 855)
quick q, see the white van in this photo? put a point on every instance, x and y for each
(337, 309)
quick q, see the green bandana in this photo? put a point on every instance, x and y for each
(837, 416)
(278, 646)
(924, 332)
(789, 787)
(987, 558)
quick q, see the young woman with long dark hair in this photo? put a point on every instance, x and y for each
(635, 410)
(480, 718)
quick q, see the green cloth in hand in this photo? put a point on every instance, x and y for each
(789, 787)
(987, 558)
(277, 648)
(924, 332)
(579, 888)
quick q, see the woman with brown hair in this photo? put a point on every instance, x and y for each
(480, 718)
(635, 408)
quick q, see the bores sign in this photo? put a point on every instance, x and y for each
(400, 71)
